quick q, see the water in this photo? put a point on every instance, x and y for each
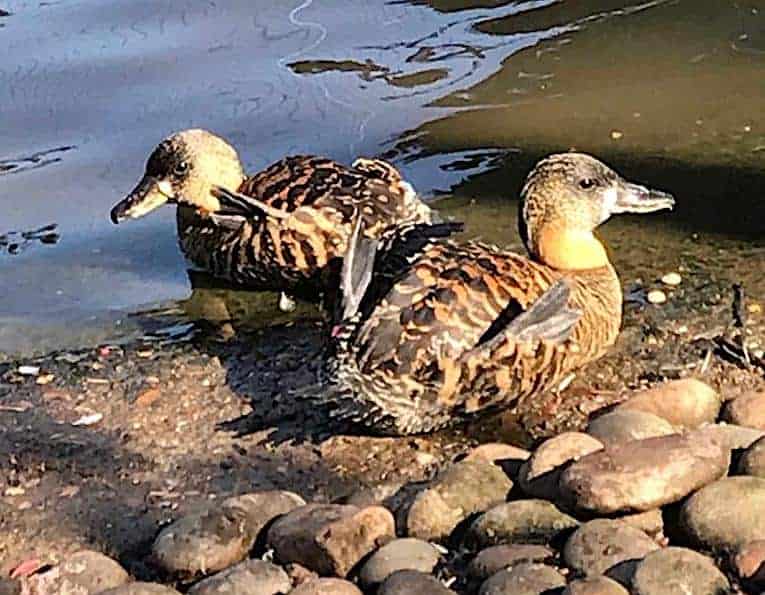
(463, 96)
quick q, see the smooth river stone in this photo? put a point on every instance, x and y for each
(601, 544)
(598, 585)
(399, 554)
(678, 570)
(752, 462)
(686, 403)
(644, 474)
(747, 410)
(726, 514)
(624, 426)
(526, 578)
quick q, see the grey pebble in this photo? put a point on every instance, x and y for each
(399, 554)
(498, 557)
(526, 578)
(252, 577)
(599, 545)
(326, 586)
(676, 570)
(599, 585)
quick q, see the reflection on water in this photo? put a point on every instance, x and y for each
(463, 95)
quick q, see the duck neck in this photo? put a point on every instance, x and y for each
(570, 250)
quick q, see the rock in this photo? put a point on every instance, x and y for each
(749, 564)
(656, 296)
(678, 570)
(599, 585)
(627, 425)
(733, 437)
(82, 573)
(521, 521)
(209, 541)
(498, 557)
(644, 474)
(650, 522)
(686, 403)
(412, 582)
(726, 514)
(326, 586)
(525, 578)
(671, 279)
(747, 410)
(464, 489)
(509, 458)
(601, 544)
(373, 495)
(246, 578)
(330, 539)
(752, 462)
(539, 475)
(399, 554)
(140, 589)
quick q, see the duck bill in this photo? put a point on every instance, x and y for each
(633, 198)
(151, 193)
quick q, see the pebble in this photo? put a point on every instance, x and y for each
(599, 545)
(330, 539)
(509, 458)
(399, 554)
(685, 403)
(83, 572)
(521, 521)
(526, 578)
(733, 437)
(626, 425)
(599, 585)
(326, 586)
(498, 557)
(251, 576)
(539, 476)
(141, 589)
(462, 490)
(29, 370)
(747, 410)
(726, 514)
(412, 582)
(214, 539)
(644, 474)
(672, 279)
(657, 296)
(678, 570)
(749, 564)
(752, 462)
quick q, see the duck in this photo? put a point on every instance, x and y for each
(282, 229)
(434, 331)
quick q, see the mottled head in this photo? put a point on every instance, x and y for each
(183, 169)
(566, 197)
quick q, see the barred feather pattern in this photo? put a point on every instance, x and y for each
(322, 199)
(421, 359)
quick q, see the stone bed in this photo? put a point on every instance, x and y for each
(665, 493)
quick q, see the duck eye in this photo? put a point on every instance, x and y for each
(181, 168)
(586, 183)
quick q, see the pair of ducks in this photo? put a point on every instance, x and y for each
(428, 331)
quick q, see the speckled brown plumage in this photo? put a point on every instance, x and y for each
(312, 203)
(454, 329)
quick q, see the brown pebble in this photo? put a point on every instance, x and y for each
(141, 589)
(752, 462)
(250, 576)
(749, 563)
(525, 578)
(678, 570)
(498, 557)
(326, 586)
(412, 582)
(330, 539)
(684, 403)
(627, 425)
(147, 397)
(82, 572)
(747, 410)
(599, 585)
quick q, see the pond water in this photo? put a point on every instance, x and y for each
(463, 96)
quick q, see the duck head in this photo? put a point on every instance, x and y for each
(183, 170)
(566, 197)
